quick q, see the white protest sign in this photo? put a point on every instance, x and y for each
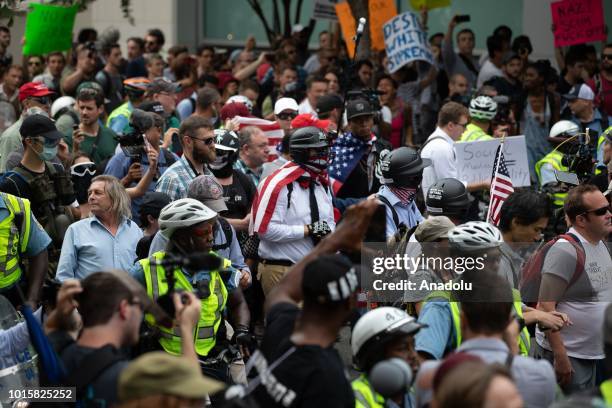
(405, 41)
(475, 160)
(325, 9)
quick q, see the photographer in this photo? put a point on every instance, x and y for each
(85, 68)
(132, 162)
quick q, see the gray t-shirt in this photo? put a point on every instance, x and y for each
(585, 300)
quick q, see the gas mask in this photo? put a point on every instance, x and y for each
(81, 175)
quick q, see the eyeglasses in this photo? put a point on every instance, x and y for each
(46, 142)
(463, 125)
(43, 100)
(287, 116)
(598, 211)
(606, 56)
(208, 142)
(34, 63)
(135, 302)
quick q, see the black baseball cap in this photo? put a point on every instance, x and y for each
(329, 279)
(39, 125)
(327, 103)
(153, 202)
(152, 106)
(358, 107)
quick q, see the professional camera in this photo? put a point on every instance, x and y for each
(580, 160)
(370, 95)
(133, 145)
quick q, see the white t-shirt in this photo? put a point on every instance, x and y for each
(306, 107)
(441, 152)
(584, 301)
(487, 72)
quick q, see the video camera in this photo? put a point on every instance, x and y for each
(370, 95)
(579, 161)
(133, 145)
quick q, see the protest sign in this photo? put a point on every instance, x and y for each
(429, 4)
(347, 24)
(380, 12)
(577, 22)
(405, 41)
(475, 160)
(48, 29)
(325, 10)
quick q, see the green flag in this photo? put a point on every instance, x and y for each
(48, 29)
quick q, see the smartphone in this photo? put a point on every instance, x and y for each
(377, 230)
(566, 177)
(463, 18)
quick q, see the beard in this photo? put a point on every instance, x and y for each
(204, 156)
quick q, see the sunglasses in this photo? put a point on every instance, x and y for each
(463, 125)
(606, 57)
(598, 211)
(208, 142)
(287, 116)
(46, 142)
(43, 100)
(202, 231)
(34, 63)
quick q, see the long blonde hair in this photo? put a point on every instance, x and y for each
(121, 205)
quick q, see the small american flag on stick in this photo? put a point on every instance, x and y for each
(501, 185)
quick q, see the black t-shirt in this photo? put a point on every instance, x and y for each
(238, 196)
(16, 185)
(356, 184)
(310, 376)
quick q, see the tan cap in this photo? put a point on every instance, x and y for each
(433, 228)
(160, 373)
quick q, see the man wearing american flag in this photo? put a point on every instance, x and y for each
(357, 154)
(292, 210)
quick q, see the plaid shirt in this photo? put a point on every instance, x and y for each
(175, 180)
(254, 176)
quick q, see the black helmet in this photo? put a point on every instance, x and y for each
(226, 140)
(226, 146)
(447, 197)
(402, 166)
(304, 139)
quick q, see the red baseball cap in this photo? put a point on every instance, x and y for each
(308, 119)
(33, 89)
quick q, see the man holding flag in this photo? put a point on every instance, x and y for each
(293, 210)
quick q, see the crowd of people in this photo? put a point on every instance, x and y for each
(192, 225)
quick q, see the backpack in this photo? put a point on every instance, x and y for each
(532, 269)
(229, 235)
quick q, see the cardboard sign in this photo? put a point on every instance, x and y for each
(475, 160)
(380, 12)
(325, 10)
(577, 22)
(348, 26)
(48, 29)
(429, 4)
(405, 41)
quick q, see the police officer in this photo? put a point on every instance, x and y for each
(188, 224)
(380, 334)
(448, 197)
(45, 183)
(402, 173)
(482, 111)
(545, 168)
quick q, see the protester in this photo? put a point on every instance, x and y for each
(253, 152)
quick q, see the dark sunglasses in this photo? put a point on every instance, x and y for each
(606, 56)
(44, 100)
(598, 211)
(208, 142)
(34, 63)
(287, 116)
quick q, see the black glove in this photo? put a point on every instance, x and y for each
(318, 230)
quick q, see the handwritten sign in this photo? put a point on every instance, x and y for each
(325, 10)
(405, 41)
(577, 22)
(347, 24)
(380, 12)
(429, 4)
(48, 29)
(475, 160)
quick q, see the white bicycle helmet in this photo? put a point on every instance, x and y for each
(483, 107)
(564, 129)
(183, 213)
(375, 328)
(60, 104)
(475, 235)
(241, 99)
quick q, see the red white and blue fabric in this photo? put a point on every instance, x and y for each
(268, 190)
(501, 186)
(270, 128)
(347, 151)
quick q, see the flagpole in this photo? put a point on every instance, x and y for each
(498, 158)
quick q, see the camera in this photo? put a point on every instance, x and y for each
(370, 95)
(133, 145)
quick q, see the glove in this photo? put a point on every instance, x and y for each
(242, 337)
(318, 230)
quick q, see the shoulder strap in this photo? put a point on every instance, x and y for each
(580, 255)
(468, 63)
(169, 157)
(430, 140)
(227, 231)
(393, 212)
(91, 367)
(192, 101)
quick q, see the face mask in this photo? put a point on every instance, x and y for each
(81, 175)
(291, 86)
(222, 166)
(405, 194)
(48, 153)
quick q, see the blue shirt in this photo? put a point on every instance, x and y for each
(90, 247)
(119, 165)
(596, 125)
(231, 279)
(439, 336)
(39, 239)
(186, 106)
(408, 215)
(233, 252)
